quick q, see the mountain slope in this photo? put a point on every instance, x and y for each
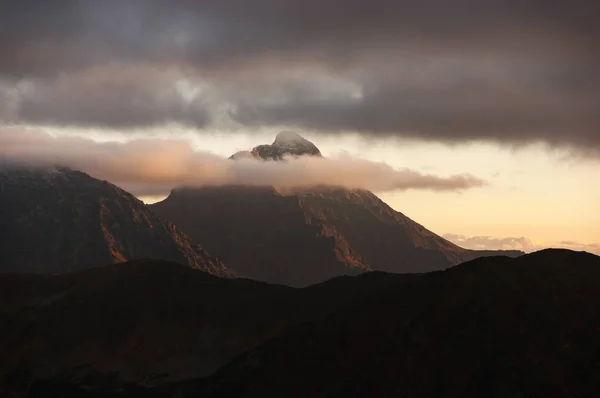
(148, 321)
(306, 235)
(261, 234)
(57, 220)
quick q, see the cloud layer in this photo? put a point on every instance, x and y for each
(498, 70)
(155, 166)
(109, 96)
(522, 243)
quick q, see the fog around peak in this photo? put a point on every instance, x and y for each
(155, 166)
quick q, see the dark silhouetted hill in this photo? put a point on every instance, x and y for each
(493, 327)
(148, 322)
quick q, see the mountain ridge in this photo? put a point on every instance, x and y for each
(56, 219)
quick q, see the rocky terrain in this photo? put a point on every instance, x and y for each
(57, 220)
(306, 235)
(492, 327)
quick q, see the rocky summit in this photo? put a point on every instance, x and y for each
(56, 220)
(287, 143)
(302, 236)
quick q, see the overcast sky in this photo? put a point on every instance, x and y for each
(486, 113)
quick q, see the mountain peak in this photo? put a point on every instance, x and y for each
(290, 138)
(286, 143)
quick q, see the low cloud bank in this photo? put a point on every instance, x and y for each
(155, 166)
(512, 243)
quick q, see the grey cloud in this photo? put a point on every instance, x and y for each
(112, 96)
(155, 166)
(502, 70)
(206, 32)
(466, 101)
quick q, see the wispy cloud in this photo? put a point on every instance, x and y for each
(155, 166)
(513, 243)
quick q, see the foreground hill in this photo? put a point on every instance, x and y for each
(493, 327)
(57, 220)
(303, 236)
(148, 322)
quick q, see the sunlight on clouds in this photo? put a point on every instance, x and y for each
(154, 166)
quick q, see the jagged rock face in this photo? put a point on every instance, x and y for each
(286, 143)
(57, 220)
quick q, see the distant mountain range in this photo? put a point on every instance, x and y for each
(492, 327)
(301, 236)
(56, 220)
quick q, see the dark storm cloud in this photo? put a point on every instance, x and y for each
(109, 97)
(505, 70)
(558, 107)
(70, 33)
